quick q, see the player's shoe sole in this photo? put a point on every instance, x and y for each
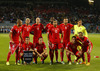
(88, 64)
(70, 63)
(62, 62)
(83, 63)
(7, 63)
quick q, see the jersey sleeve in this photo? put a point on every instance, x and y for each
(12, 29)
(46, 28)
(48, 32)
(44, 46)
(67, 46)
(60, 29)
(85, 32)
(75, 30)
(32, 28)
(71, 25)
(32, 47)
(42, 27)
(23, 46)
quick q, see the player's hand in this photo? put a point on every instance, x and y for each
(88, 51)
(72, 53)
(12, 41)
(61, 40)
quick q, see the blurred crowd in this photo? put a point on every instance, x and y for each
(45, 11)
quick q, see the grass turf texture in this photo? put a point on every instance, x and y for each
(4, 48)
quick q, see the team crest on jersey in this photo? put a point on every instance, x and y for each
(55, 31)
(65, 27)
(38, 28)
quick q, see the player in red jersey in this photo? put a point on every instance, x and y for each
(26, 29)
(71, 49)
(41, 50)
(27, 46)
(66, 30)
(37, 28)
(86, 47)
(55, 40)
(47, 28)
(14, 35)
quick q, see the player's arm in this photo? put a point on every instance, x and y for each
(10, 34)
(85, 32)
(32, 30)
(44, 50)
(49, 32)
(46, 28)
(62, 37)
(67, 50)
(43, 29)
(37, 52)
(21, 37)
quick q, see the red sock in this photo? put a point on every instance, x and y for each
(77, 58)
(61, 55)
(45, 56)
(68, 57)
(83, 57)
(51, 53)
(88, 56)
(21, 58)
(8, 56)
(56, 53)
(18, 55)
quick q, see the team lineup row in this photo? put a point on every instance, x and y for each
(20, 41)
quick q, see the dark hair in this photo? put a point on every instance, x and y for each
(55, 20)
(80, 32)
(65, 18)
(39, 38)
(27, 37)
(74, 37)
(79, 20)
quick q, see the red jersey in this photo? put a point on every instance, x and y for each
(15, 33)
(66, 30)
(25, 31)
(55, 34)
(27, 47)
(37, 31)
(85, 41)
(72, 47)
(40, 47)
(47, 28)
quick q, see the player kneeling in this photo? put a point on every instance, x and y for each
(86, 47)
(71, 49)
(41, 50)
(27, 46)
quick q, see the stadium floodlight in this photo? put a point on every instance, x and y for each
(91, 2)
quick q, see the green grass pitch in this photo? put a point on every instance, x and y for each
(4, 48)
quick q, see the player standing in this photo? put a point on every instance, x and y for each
(14, 35)
(37, 28)
(41, 50)
(66, 30)
(80, 28)
(47, 28)
(86, 47)
(55, 40)
(26, 29)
